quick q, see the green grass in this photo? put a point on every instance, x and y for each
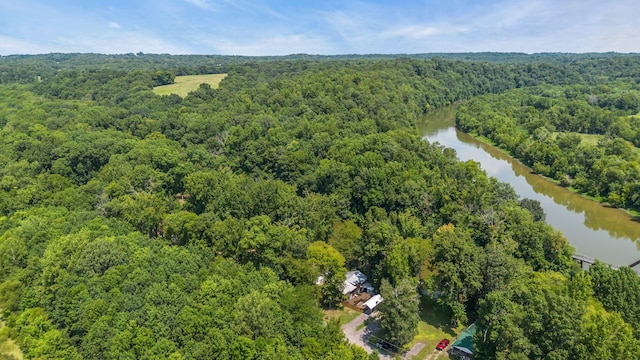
(183, 85)
(586, 139)
(592, 139)
(344, 315)
(8, 348)
(434, 326)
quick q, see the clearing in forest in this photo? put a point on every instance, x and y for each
(434, 326)
(344, 315)
(587, 139)
(183, 85)
(8, 348)
(593, 139)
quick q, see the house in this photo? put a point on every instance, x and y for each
(463, 346)
(371, 304)
(361, 295)
(353, 283)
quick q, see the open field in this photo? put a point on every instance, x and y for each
(183, 85)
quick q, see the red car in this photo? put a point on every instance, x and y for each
(442, 344)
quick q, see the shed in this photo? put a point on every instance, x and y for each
(371, 304)
(463, 346)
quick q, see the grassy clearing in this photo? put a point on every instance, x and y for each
(592, 139)
(185, 84)
(344, 315)
(434, 326)
(587, 139)
(8, 348)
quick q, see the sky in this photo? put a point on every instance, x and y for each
(281, 27)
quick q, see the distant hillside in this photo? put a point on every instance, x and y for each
(27, 68)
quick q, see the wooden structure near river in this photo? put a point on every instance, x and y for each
(588, 261)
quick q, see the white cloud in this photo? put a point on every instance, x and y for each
(238, 4)
(274, 45)
(254, 7)
(514, 14)
(11, 45)
(249, 27)
(350, 25)
(413, 32)
(204, 4)
(417, 32)
(551, 25)
(124, 42)
(354, 32)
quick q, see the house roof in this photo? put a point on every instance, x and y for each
(353, 280)
(356, 277)
(373, 302)
(348, 288)
(367, 285)
(464, 342)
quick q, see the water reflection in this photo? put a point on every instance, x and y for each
(593, 229)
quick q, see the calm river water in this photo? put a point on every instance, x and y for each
(594, 230)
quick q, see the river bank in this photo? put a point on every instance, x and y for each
(635, 215)
(593, 229)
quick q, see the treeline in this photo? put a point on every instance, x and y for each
(585, 137)
(139, 226)
(33, 68)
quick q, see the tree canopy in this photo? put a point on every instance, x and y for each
(141, 226)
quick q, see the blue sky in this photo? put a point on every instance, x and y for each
(278, 27)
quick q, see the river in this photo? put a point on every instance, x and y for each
(604, 233)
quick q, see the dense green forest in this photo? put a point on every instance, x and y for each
(137, 226)
(27, 68)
